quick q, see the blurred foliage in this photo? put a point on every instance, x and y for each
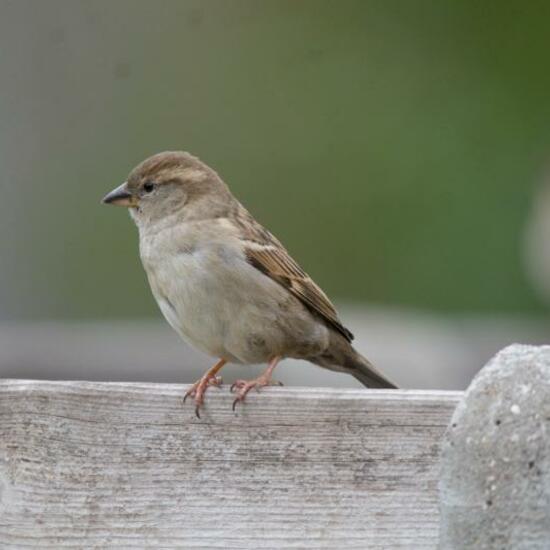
(392, 146)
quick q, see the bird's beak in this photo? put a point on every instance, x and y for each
(121, 196)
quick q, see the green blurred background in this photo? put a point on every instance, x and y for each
(394, 147)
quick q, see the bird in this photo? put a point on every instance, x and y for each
(224, 283)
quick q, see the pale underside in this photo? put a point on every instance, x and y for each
(220, 302)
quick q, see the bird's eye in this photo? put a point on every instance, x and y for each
(148, 187)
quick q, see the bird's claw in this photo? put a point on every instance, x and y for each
(197, 390)
(257, 384)
(244, 386)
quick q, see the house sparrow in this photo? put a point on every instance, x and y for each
(224, 283)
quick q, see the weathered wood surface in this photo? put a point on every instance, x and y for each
(96, 465)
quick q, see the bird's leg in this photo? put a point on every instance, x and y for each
(198, 389)
(244, 386)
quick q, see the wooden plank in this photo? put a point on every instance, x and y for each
(89, 465)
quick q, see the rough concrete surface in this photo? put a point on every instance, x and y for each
(495, 478)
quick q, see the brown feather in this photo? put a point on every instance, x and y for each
(269, 256)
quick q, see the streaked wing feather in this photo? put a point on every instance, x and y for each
(275, 262)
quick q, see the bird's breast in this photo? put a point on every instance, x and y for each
(222, 305)
(182, 282)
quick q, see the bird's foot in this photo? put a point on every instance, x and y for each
(242, 387)
(198, 389)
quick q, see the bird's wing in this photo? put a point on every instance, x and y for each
(267, 254)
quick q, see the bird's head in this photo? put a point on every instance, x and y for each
(173, 182)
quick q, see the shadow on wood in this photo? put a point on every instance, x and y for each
(91, 464)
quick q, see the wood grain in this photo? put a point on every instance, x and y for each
(99, 465)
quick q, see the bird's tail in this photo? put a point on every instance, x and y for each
(342, 356)
(364, 371)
